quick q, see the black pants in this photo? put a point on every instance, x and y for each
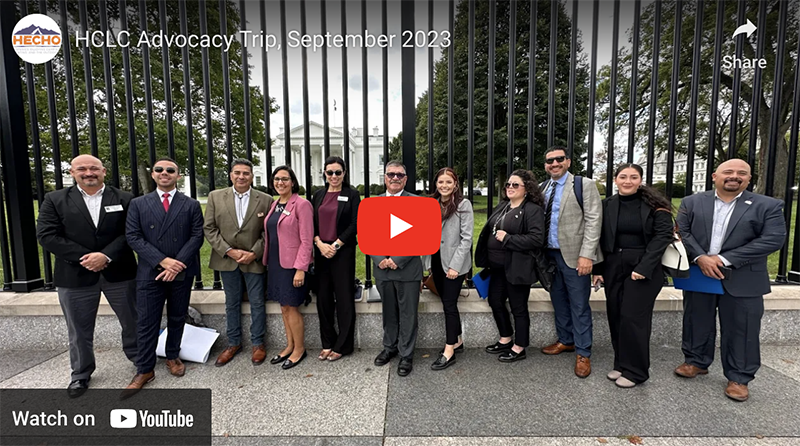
(150, 297)
(449, 289)
(739, 328)
(630, 312)
(500, 290)
(336, 294)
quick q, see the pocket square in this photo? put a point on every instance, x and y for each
(260, 214)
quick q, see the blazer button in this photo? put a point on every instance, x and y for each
(152, 226)
(174, 240)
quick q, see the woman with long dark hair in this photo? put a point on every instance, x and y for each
(505, 247)
(335, 212)
(637, 228)
(449, 265)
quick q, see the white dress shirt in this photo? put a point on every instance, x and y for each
(241, 201)
(93, 203)
(171, 195)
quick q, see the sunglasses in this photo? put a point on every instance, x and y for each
(282, 179)
(334, 173)
(159, 169)
(560, 159)
(398, 175)
(513, 185)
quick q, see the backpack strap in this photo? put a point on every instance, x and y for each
(578, 188)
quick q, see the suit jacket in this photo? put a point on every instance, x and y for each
(295, 234)
(156, 235)
(409, 268)
(657, 226)
(456, 240)
(756, 229)
(346, 214)
(66, 229)
(525, 227)
(221, 228)
(579, 231)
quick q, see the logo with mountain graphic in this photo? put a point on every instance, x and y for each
(36, 38)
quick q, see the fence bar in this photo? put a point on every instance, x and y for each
(712, 123)
(168, 107)
(129, 111)
(471, 97)
(66, 48)
(651, 141)
(612, 108)
(551, 99)
(777, 97)
(430, 100)
(794, 273)
(287, 130)
(409, 98)
(346, 102)
(365, 105)
(385, 69)
(267, 98)
(451, 79)
(4, 252)
(16, 165)
(248, 130)
(531, 83)
(148, 89)
(490, 109)
(112, 122)
(512, 78)
(306, 129)
(226, 82)
(326, 149)
(790, 176)
(737, 83)
(592, 91)
(52, 111)
(637, 30)
(673, 103)
(757, 88)
(87, 78)
(690, 149)
(573, 63)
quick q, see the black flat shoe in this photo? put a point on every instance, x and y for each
(459, 349)
(499, 347)
(384, 357)
(442, 362)
(277, 359)
(289, 364)
(511, 356)
(405, 366)
(78, 387)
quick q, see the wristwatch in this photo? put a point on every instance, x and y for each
(336, 245)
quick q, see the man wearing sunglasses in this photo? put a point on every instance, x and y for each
(399, 285)
(165, 228)
(573, 221)
(234, 227)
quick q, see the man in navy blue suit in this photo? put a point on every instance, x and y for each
(165, 228)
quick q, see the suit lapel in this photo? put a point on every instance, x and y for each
(230, 205)
(708, 215)
(174, 209)
(288, 208)
(340, 206)
(738, 210)
(252, 205)
(568, 186)
(77, 198)
(611, 214)
(109, 198)
(644, 210)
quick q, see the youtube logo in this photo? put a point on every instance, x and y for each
(123, 418)
(399, 226)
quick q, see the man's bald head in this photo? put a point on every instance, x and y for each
(732, 176)
(88, 172)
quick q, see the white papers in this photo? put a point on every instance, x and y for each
(195, 344)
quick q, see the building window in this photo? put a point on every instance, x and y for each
(258, 180)
(272, 158)
(381, 160)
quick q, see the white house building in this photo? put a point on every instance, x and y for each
(660, 170)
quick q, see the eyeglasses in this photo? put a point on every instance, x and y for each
(560, 159)
(398, 175)
(282, 179)
(334, 173)
(513, 185)
(159, 169)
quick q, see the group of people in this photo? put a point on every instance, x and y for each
(559, 227)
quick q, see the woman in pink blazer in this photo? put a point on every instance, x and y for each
(288, 253)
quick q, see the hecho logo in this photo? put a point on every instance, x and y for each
(36, 38)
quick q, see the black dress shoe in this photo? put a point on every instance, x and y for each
(289, 364)
(499, 347)
(442, 362)
(511, 356)
(384, 357)
(78, 387)
(405, 366)
(459, 349)
(277, 359)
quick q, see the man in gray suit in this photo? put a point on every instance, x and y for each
(399, 285)
(573, 221)
(729, 232)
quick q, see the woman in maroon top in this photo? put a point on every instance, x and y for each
(335, 212)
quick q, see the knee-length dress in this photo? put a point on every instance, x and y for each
(280, 281)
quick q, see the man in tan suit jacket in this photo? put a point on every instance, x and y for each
(234, 226)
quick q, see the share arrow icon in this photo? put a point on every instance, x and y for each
(748, 28)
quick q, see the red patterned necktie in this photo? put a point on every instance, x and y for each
(166, 202)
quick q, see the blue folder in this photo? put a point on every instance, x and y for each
(481, 281)
(699, 282)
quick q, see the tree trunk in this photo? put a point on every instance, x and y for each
(781, 162)
(145, 182)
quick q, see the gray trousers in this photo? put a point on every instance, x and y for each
(400, 301)
(80, 305)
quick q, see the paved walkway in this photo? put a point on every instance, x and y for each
(476, 401)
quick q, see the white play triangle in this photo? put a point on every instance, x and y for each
(397, 226)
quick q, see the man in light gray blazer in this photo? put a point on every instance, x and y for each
(399, 285)
(573, 222)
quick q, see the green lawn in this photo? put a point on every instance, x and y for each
(480, 221)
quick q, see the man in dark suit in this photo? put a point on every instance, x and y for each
(728, 232)
(84, 227)
(165, 228)
(399, 285)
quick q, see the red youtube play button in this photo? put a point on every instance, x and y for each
(399, 226)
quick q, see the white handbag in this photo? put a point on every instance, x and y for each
(675, 260)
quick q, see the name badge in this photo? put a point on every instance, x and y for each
(341, 198)
(285, 212)
(114, 208)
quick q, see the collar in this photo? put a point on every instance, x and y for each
(98, 193)
(237, 194)
(171, 193)
(394, 195)
(561, 181)
(716, 196)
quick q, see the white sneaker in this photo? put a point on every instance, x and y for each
(625, 383)
(614, 375)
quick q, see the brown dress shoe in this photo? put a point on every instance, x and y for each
(140, 379)
(689, 371)
(736, 391)
(557, 348)
(583, 366)
(259, 354)
(176, 367)
(227, 354)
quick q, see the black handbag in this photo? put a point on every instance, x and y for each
(545, 269)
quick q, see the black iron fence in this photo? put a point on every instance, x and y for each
(681, 84)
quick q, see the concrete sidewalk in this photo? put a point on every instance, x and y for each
(476, 401)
